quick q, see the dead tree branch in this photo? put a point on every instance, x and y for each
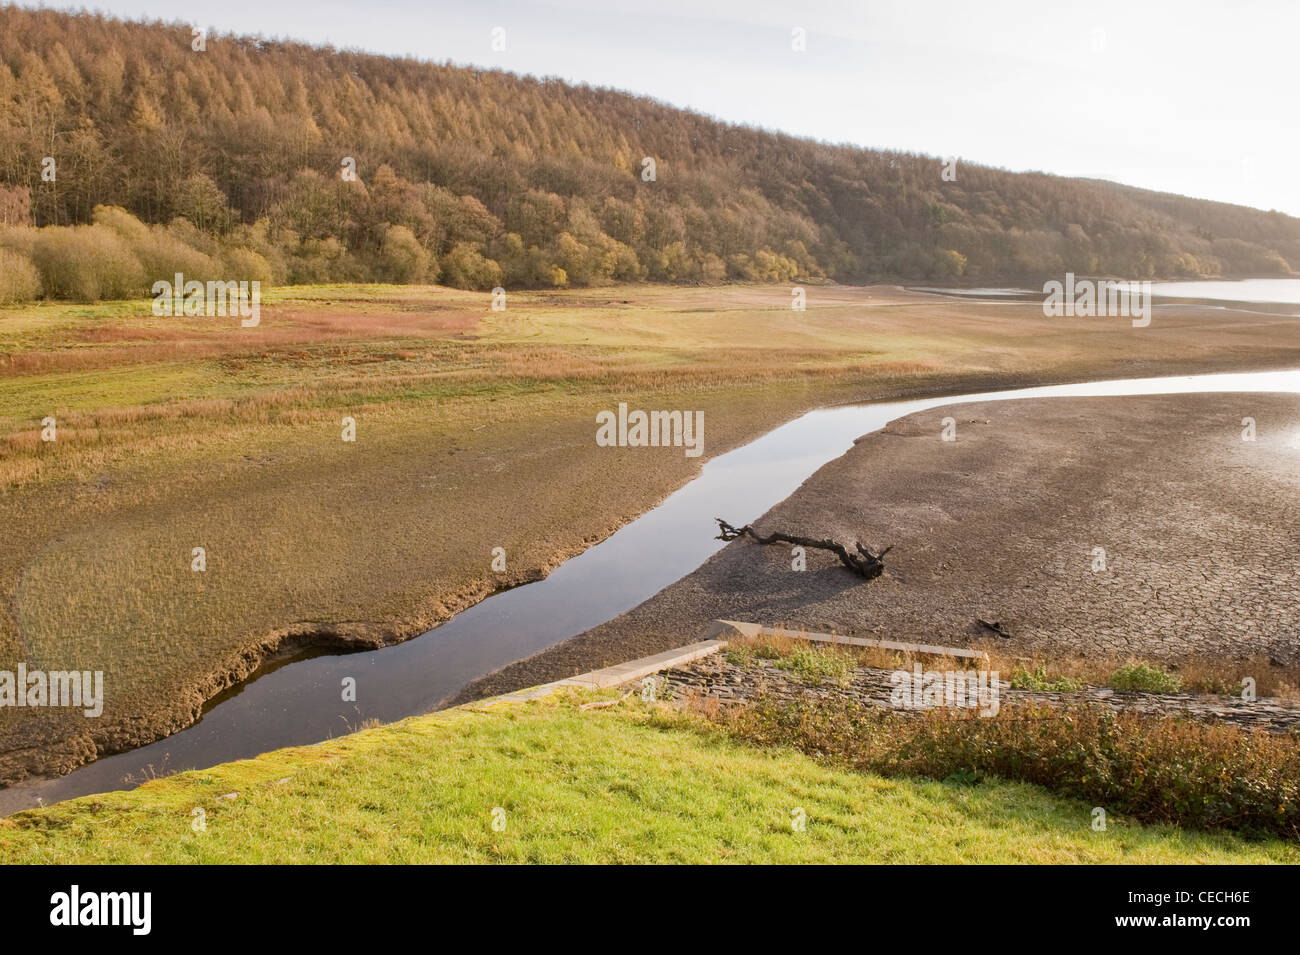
(995, 627)
(860, 560)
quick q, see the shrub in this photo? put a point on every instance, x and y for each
(739, 655)
(269, 244)
(1153, 768)
(949, 263)
(87, 263)
(713, 271)
(465, 267)
(1023, 678)
(625, 267)
(162, 255)
(1146, 678)
(402, 259)
(245, 265)
(771, 267)
(20, 239)
(19, 279)
(121, 222)
(323, 260)
(813, 665)
(121, 257)
(187, 232)
(163, 251)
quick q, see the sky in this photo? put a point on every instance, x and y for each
(1188, 96)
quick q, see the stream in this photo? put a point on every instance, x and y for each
(300, 701)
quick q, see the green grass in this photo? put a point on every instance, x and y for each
(816, 665)
(1039, 679)
(618, 785)
(23, 398)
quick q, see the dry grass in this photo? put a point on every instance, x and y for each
(1155, 769)
(1204, 675)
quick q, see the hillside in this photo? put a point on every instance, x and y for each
(473, 178)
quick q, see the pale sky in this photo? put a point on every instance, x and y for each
(1189, 96)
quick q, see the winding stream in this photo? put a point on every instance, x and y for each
(299, 702)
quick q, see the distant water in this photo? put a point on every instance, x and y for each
(1257, 291)
(977, 292)
(1280, 291)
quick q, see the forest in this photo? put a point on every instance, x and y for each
(130, 151)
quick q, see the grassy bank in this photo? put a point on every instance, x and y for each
(615, 785)
(1152, 766)
(474, 430)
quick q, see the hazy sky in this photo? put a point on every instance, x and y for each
(1188, 96)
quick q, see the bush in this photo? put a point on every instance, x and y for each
(245, 265)
(1037, 679)
(187, 232)
(163, 251)
(162, 255)
(1146, 678)
(121, 222)
(625, 267)
(949, 263)
(739, 655)
(19, 279)
(318, 261)
(269, 244)
(465, 267)
(771, 267)
(403, 260)
(87, 263)
(121, 257)
(21, 239)
(813, 665)
(1152, 768)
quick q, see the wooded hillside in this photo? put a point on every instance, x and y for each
(475, 178)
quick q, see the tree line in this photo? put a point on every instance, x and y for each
(121, 144)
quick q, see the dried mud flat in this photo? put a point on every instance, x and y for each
(1200, 530)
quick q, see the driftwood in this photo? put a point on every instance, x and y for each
(995, 627)
(860, 560)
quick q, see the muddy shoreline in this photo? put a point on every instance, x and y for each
(1199, 529)
(47, 759)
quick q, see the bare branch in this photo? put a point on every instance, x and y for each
(861, 560)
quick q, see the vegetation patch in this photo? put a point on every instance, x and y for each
(816, 665)
(629, 783)
(1037, 678)
(1155, 769)
(1145, 677)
